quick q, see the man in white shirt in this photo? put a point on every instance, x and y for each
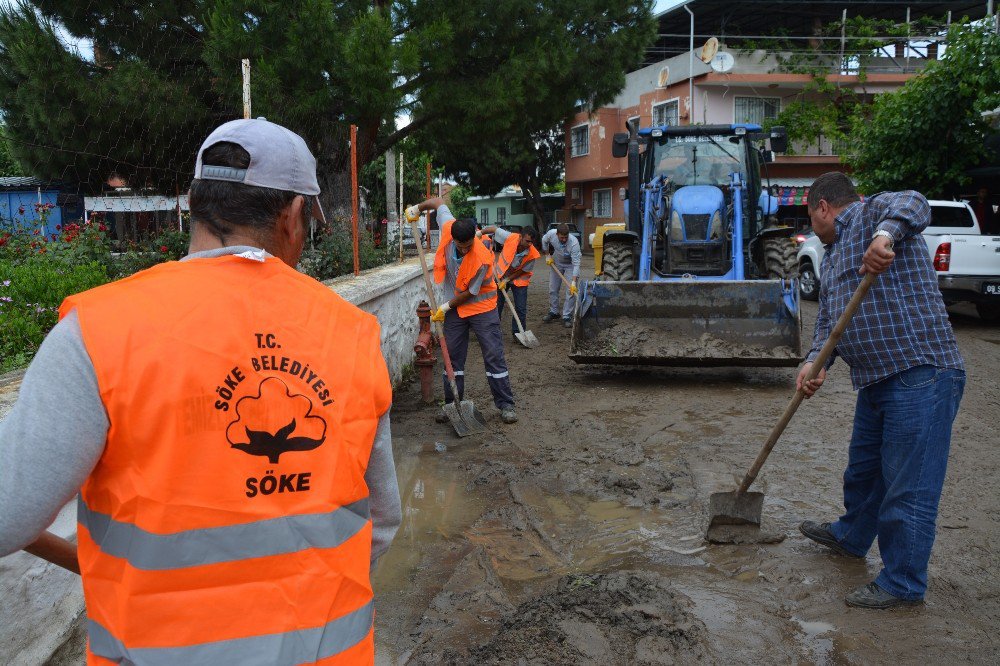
(564, 256)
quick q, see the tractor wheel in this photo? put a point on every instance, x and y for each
(618, 265)
(779, 258)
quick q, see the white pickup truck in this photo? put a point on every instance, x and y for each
(967, 262)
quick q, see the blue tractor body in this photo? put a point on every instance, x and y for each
(702, 219)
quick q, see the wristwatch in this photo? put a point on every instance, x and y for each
(883, 232)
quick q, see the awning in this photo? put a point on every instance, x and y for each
(792, 190)
(133, 204)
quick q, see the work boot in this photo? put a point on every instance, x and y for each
(552, 316)
(441, 417)
(820, 533)
(567, 322)
(508, 415)
(874, 597)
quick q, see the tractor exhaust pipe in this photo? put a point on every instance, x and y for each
(634, 214)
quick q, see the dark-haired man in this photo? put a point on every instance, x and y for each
(564, 256)
(464, 268)
(515, 264)
(909, 375)
(228, 420)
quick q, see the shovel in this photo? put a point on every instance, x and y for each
(526, 338)
(740, 507)
(463, 415)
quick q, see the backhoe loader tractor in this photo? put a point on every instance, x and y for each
(702, 274)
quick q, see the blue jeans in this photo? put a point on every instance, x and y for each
(895, 472)
(520, 297)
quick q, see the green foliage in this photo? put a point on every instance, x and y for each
(9, 166)
(30, 294)
(333, 253)
(502, 115)
(928, 133)
(172, 244)
(821, 109)
(372, 178)
(460, 204)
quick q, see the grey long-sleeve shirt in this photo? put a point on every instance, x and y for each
(56, 432)
(564, 254)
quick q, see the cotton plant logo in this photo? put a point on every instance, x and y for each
(275, 422)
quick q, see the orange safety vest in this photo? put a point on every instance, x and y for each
(227, 520)
(473, 260)
(507, 257)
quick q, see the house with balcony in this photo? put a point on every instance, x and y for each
(509, 207)
(674, 86)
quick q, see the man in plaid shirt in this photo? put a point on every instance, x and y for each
(909, 376)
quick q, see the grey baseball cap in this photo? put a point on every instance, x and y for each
(279, 158)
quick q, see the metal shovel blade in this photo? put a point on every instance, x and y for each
(528, 339)
(465, 418)
(731, 508)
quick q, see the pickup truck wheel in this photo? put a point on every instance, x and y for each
(808, 282)
(989, 312)
(618, 264)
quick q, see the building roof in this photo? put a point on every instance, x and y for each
(728, 20)
(23, 183)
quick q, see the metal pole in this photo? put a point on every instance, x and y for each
(691, 70)
(354, 195)
(843, 38)
(907, 66)
(246, 88)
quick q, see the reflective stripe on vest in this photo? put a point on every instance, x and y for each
(263, 538)
(477, 257)
(301, 646)
(508, 255)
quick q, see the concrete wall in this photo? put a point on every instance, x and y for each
(391, 293)
(41, 617)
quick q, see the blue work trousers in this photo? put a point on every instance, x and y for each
(520, 297)
(486, 326)
(895, 472)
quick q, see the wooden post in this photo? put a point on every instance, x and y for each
(427, 222)
(354, 195)
(246, 88)
(402, 205)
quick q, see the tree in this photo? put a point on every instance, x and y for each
(460, 204)
(505, 126)
(926, 135)
(8, 165)
(163, 74)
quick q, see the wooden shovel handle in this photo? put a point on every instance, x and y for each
(439, 328)
(56, 550)
(818, 363)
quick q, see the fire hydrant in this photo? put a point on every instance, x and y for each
(425, 354)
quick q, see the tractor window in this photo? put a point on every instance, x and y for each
(695, 160)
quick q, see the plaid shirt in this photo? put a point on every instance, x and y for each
(902, 321)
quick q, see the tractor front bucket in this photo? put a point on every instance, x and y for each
(688, 323)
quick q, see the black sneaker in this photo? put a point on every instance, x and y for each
(552, 316)
(567, 323)
(441, 417)
(508, 415)
(874, 597)
(820, 533)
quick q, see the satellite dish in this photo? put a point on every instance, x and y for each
(661, 81)
(723, 62)
(709, 49)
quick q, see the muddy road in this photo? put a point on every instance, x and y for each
(577, 535)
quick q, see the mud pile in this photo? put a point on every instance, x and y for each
(629, 337)
(625, 617)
